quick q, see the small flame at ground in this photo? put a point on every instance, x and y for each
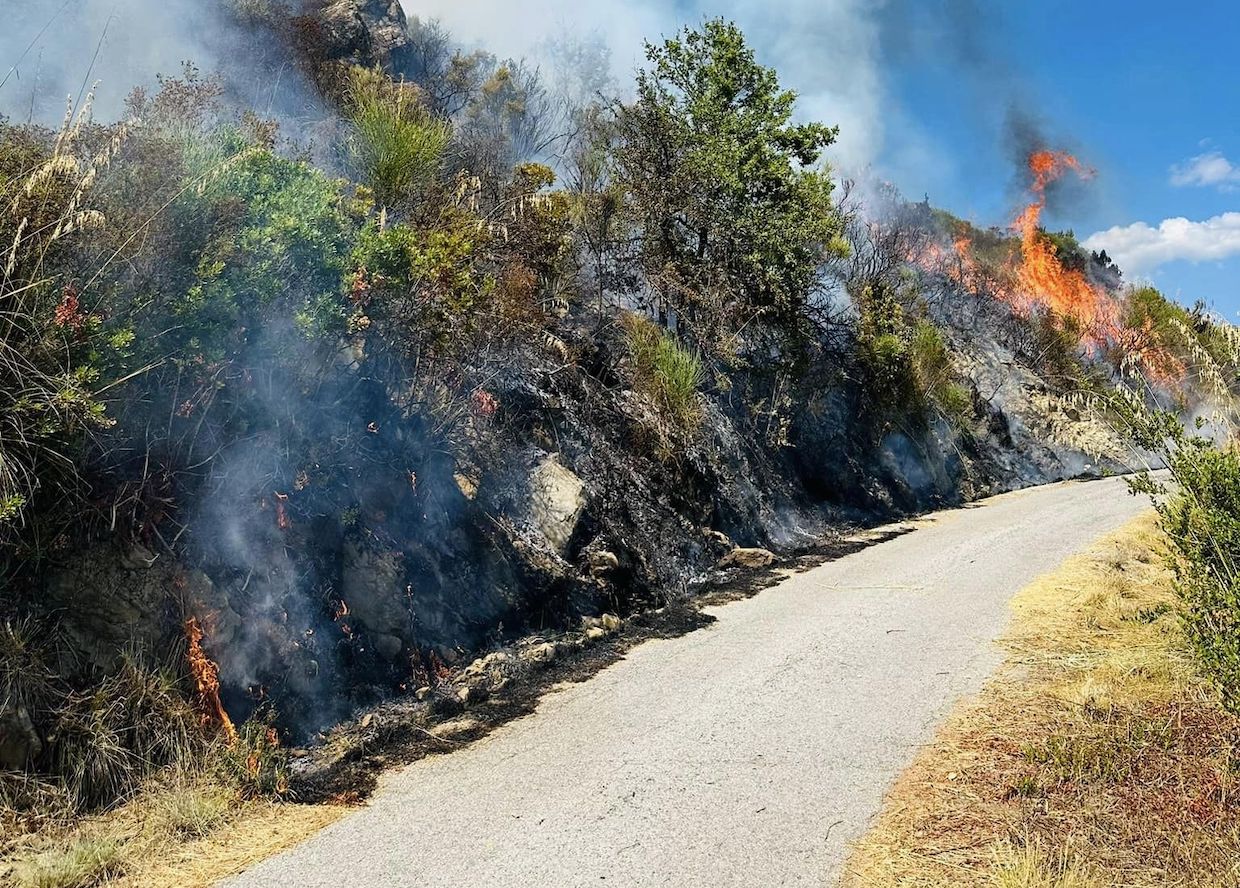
(207, 679)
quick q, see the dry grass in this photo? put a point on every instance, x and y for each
(179, 832)
(1097, 758)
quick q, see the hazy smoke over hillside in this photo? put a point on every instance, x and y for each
(835, 53)
(51, 49)
(840, 55)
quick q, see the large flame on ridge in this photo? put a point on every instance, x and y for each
(1041, 279)
(207, 679)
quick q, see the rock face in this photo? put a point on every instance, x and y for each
(369, 33)
(114, 599)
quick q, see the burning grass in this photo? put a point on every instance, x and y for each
(1098, 757)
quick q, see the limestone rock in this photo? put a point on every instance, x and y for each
(557, 499)
(601, 562)
(747, 557)
(540, 653)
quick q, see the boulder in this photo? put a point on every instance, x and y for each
(747, 557)
(557, 499)
(367, 33)
(539, 653)
(373, 587)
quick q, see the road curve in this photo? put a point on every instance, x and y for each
(748, 753)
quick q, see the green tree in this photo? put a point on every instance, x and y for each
(736, 215)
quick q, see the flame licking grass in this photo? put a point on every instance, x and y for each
(207, 679)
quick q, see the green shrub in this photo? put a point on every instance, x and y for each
(905, 362)
(282, 237)
(1201, 519)
(395, 144)
(666, 371)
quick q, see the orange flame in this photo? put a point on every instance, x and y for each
(282, 520)
(207, 678)
(1039, 279)
(1042, 280)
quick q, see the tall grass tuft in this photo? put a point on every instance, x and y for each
(395, 144)
(109, 738)
(666, 371)
(46, 401)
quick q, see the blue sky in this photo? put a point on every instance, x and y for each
(1146, 93)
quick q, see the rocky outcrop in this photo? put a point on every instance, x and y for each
(368, 33)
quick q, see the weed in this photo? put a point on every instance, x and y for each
(1112, 751)
(193, 810)
(1030, 867)
(668, 372)
(80, 864)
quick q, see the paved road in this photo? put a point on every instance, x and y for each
(745, 754)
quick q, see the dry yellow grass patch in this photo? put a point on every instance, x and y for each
(1096, 757)
(181, 832)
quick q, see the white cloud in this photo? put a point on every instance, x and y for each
(1211, 169)
(1140, 248)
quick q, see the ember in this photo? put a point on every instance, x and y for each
(282, 520)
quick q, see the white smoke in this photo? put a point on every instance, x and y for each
(826, 50)
(51, 50)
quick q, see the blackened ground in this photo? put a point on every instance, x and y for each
(345, 764)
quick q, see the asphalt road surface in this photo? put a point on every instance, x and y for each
(749, 753)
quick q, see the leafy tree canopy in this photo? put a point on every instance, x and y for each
(721, 180)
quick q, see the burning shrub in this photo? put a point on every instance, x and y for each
(255, 763)
(1200, 508)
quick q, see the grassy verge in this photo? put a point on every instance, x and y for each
(183, 831)
(1097, 757)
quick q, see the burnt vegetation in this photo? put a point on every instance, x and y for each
(475, 353)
